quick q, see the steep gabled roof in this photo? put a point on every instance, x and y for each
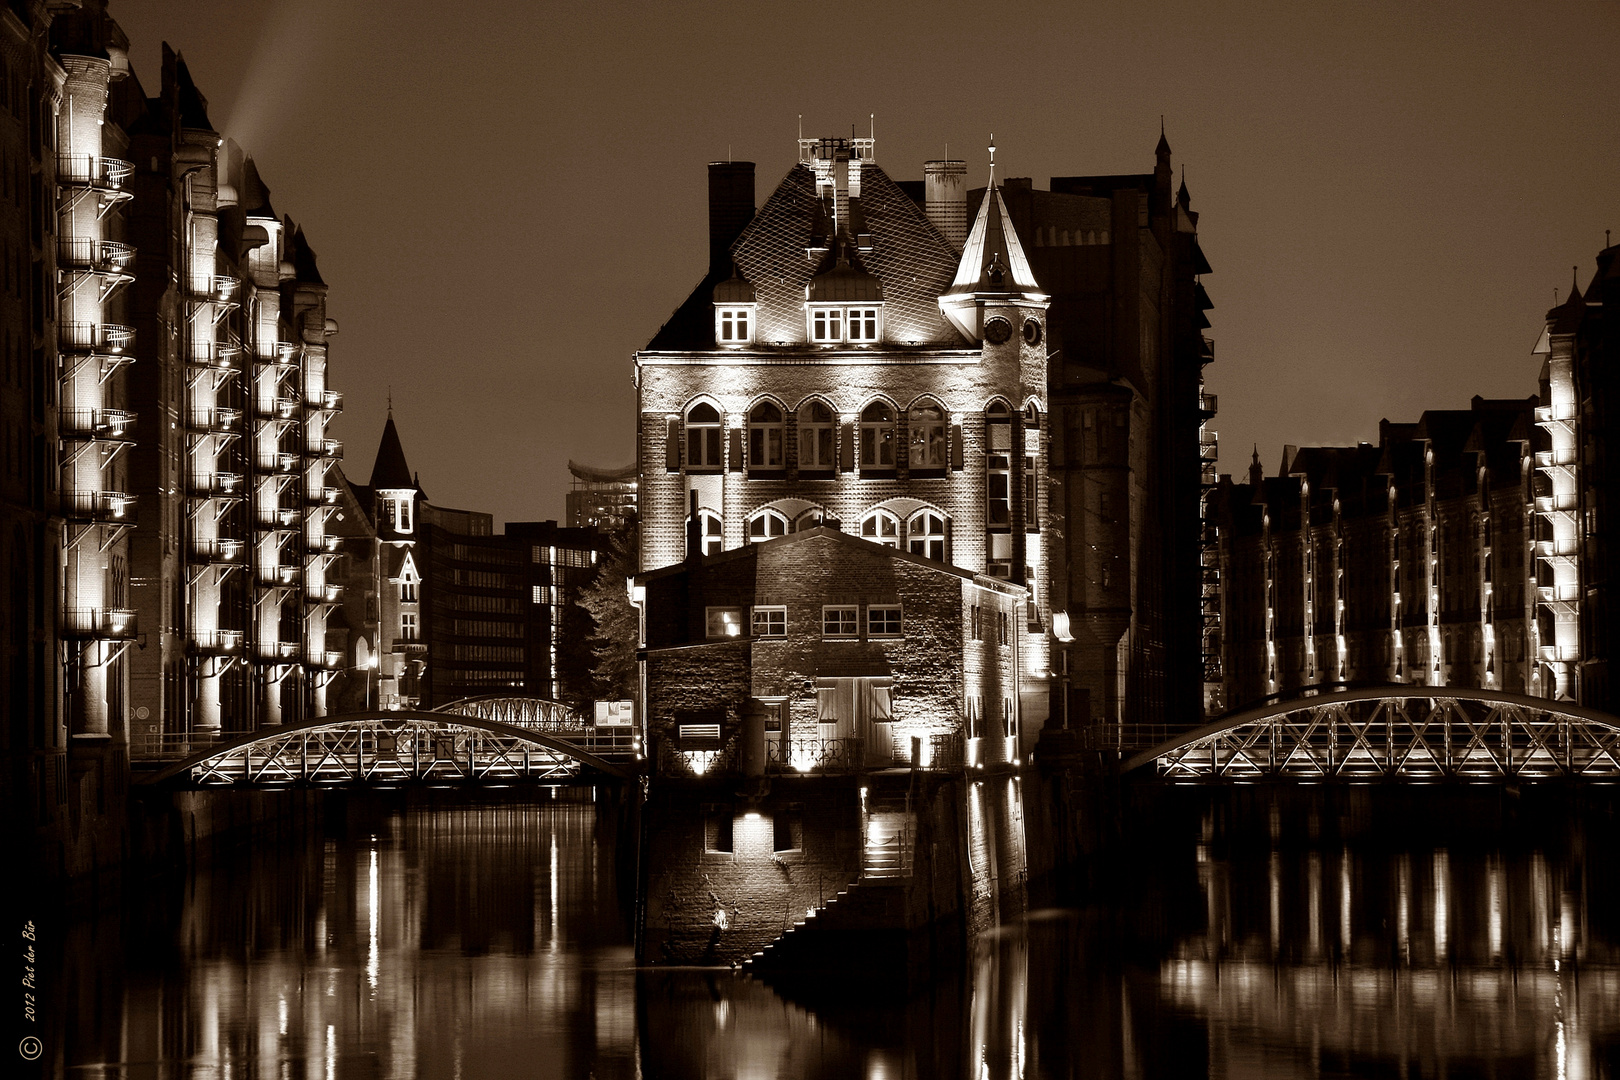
(907, 255)
(391, 471)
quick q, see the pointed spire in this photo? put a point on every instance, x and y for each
(993, 264)
(1163, 149)
(390, 471)
(1257, 472)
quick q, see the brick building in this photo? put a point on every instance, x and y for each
(876, 785)
(442, 607)
(164, 336)
(876, 353)
(1462, 550)
(856, 649)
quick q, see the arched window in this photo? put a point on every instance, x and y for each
(817, 442)
(810, 519)
(925, 535)
(702, 437)
(927, 437)
(877, 436)
(765, 436)
(766, 525)
(709, 532)
(881, 527)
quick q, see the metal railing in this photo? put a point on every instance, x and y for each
(217, 642)
(94, 337)
(114, 624)
(100, 172)
(105, 507)
(100, 256)
(104, 425)
(815, 754)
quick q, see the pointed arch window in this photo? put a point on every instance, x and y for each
(703, 436)
(877, 436)
(767, 525)
(765, 437)
(925, 535)
(881, 527)
(928, 439)
(817, 437)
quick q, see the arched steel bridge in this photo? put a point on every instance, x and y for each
(1402, 733)
(478, 740)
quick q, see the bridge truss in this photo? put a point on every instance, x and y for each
(1404, 733)
(454, 745)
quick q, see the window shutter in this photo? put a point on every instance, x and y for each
(956, 447)
(736, 454)
(846, 448)
(672, 445)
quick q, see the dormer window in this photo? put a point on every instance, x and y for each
(837, 324)
(827, 325)
(734, 325)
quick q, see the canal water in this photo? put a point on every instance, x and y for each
(473, 941)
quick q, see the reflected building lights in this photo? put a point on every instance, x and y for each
(373, 920)
(1442, 904)
(1344, 902)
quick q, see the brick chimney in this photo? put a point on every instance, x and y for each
(731, 208)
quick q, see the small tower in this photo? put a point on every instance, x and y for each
(399, 640)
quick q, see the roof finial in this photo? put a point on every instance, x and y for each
(992, 159)
(1575, 281)
(1606, 242)
(390, 399)
(871, 132)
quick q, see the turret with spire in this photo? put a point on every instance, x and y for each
(397, 491)
(993, 269)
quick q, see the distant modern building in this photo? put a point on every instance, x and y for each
(1465, 549)
(454, 610)
(601, 498)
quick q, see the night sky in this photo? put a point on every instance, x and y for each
(508, 199)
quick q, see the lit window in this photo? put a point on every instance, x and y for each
(877, 436)
(827, 325)
(770, 622)
(927, 442)
(407, 592)
(974, 630)
(409, 626)
(998, 486)
(840, 621)
(863, 324)
(709, 532)
(882, 527)
(765, 436)
(1032, 519)
(723, 622)
(817, 442)
(1001, 628)
(735, 326)
(766, 525)
(883, 620)
(542, 594)
(925, 535)
(703, 437)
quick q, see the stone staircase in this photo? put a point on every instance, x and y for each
(864, 923)
(886, 854)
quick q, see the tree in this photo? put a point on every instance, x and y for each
(617, 623)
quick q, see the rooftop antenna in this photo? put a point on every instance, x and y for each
(992, 159)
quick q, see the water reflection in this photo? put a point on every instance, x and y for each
(476, 941)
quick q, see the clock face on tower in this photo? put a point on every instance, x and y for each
(1032, 332)
(997, 331)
